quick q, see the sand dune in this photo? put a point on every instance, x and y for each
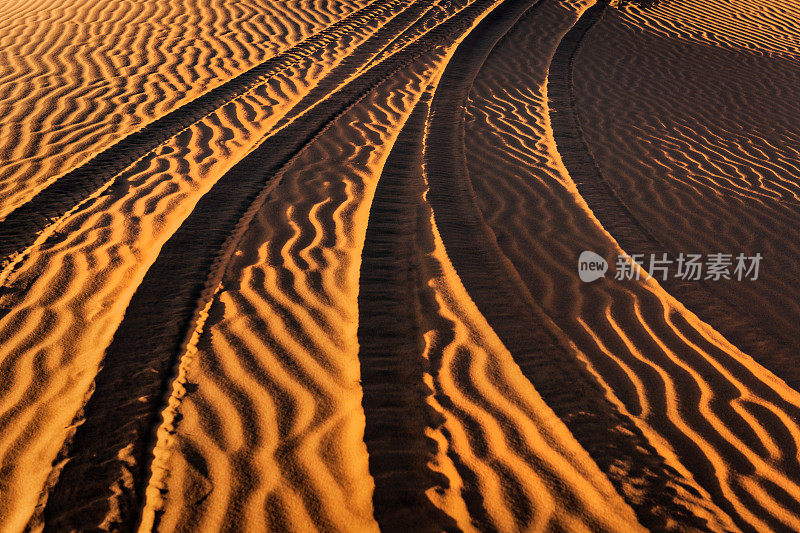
(650, 204)
(119, 475)
(312, 265)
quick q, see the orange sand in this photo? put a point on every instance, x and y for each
(377, 323)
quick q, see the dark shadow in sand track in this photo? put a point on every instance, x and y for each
(611, 439)
(762, 341)
(391, 344)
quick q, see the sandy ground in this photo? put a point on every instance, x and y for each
(313, 265)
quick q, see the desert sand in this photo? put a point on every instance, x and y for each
(314, 265)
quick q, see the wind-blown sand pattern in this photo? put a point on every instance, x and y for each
(312, 265)
(79, 76)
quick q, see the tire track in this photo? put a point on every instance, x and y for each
(391, 347)
(159, 190)
(613, 440)
(188, 158)
(769, 343)
(457, 438)
(289, 274)
(78, 76)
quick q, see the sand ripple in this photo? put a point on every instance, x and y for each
(77, 77)
(361, 221)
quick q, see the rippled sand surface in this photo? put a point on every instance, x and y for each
(313, 265)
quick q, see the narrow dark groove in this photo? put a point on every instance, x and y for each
(615, 443)
(124, 409)
(391, 343)
(20, 227)
(762, 340)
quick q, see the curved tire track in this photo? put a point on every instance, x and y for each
(610, 438)
(391, 344)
